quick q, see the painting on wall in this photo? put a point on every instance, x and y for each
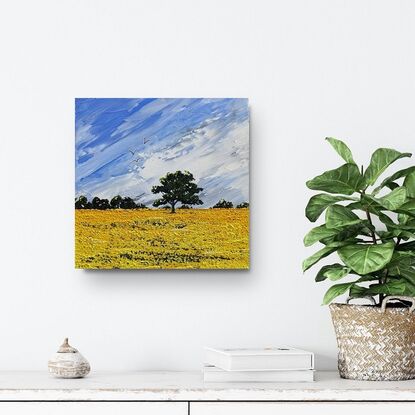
(161, 183)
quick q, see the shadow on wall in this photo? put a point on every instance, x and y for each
(175, 277)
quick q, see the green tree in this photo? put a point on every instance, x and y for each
(82, 203)
(223, 204)
(128, 203)
(242, 205)
(116, 202)
(101, 204)
(178, 187)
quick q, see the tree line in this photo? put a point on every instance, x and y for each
(178, 187)
(118, 202)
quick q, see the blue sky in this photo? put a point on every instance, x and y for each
(123, 146)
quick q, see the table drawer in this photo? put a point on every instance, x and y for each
(305, 408)
(93, 408)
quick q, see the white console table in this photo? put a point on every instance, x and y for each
(183, 393)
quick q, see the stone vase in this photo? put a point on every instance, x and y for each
(68, 363)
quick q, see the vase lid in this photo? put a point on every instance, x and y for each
(66, 347)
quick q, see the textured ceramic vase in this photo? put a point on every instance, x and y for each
(68, 363)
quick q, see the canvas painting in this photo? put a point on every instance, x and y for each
(161, 183)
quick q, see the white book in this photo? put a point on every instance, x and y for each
(269, 358)
(215, 374)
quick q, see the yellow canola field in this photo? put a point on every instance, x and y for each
(146, 238)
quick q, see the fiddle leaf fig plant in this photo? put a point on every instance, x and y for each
(370, 225)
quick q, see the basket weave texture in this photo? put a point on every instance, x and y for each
(374, 344)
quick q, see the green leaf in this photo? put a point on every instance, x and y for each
(333, 272)
(319, 203)
(389, 181)
(361, 228)
(345, 179)
(356, 291)
(338, 217)
(359, 291)
(401, 259)
(404, 235)
(386, 220)
(408, 246)
(402, 265)
(408, 208)
(322, 253)
(393, 200)
(320, 275)
(336, 290)
(318, 233)
(391, 225)
(409, 183)
(336, 274)
(409, 226)
(381, 159)
(392, 185)
(342, 150)
(394, 233)
(408, 273)
(409, 288)
(365, 207)
(369, 203)
(402, 218)
(364, 259)
(391, 287)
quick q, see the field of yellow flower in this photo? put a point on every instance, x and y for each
(146, 238)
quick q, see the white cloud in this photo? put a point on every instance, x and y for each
(215, 150)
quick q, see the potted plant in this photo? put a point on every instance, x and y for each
(370, 224)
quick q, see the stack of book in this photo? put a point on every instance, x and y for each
(272, 364)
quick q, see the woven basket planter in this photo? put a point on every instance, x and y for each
(375, 343)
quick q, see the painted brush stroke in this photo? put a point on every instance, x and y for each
(124, 146)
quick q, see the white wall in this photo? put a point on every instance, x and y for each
(309, 68)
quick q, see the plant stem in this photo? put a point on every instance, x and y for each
(383, 280)
(369, 218)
